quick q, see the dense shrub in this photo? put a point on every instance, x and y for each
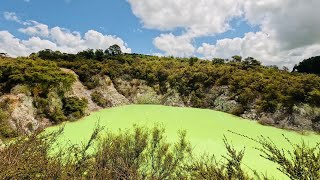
(36, 78)
(310, 65)
(139, 154)
(148, 98)
(143, 154)
(99, 99)
(40, 75)
(5, 130)
(301, 163)
(74, 107)
(314, 97)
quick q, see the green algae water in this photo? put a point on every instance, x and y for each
(205, 130)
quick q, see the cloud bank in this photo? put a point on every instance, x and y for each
(56, 38)
(289, 29)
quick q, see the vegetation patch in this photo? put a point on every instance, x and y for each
(74, 107)
(144, 153)
(99, 99)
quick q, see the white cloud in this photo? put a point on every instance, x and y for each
(11, 16)
(202, 17)
(290, 29)
(294, 23)
(260, 46)
(197, 18)
(36, 29)
(57, 38)
(11, 45)
(64, 37)
(35, 44)
(180, 46)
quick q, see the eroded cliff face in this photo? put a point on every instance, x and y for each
(80, 91)
(21, 113)
(138, 92)
(23, 117)
(109, 92)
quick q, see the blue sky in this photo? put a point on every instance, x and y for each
(108, 17)
(212, 28)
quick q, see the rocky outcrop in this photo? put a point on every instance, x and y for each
(22, 114)
(105, 88)
(109, 92)
(219, 98)
(303, 117)
(172, 98)
(80, 91)
(138, 92)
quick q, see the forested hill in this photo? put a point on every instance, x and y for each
(45, 82)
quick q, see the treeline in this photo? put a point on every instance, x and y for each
(253, 86)
(268, 88)
(143, 154)
(97, 54)
(311, 66)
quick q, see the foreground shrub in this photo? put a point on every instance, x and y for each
(26, 158)
(142, 154)
(32, 157)
(207, 166)
(302, 163)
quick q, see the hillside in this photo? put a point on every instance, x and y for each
(51, 87)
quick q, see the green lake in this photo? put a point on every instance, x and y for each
(205, 130)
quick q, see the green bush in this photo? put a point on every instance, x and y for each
(5, 130)
(98, 98)
(301, 163)
(139, 154)
(144, 154)
(314, 97)
(148, 98)
(74, 107)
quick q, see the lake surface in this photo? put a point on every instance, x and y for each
(205, 130)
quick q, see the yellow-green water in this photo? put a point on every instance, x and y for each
(205, 130)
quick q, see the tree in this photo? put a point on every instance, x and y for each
(285, 68)
(218, 61)
(99, 54)
(193, 60)
(310, 65)
(237, 58)
(87, 54)
(113, 50)
(3, 55)
(251, 61)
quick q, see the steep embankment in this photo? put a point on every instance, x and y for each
(36, 93)
(23, 116)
